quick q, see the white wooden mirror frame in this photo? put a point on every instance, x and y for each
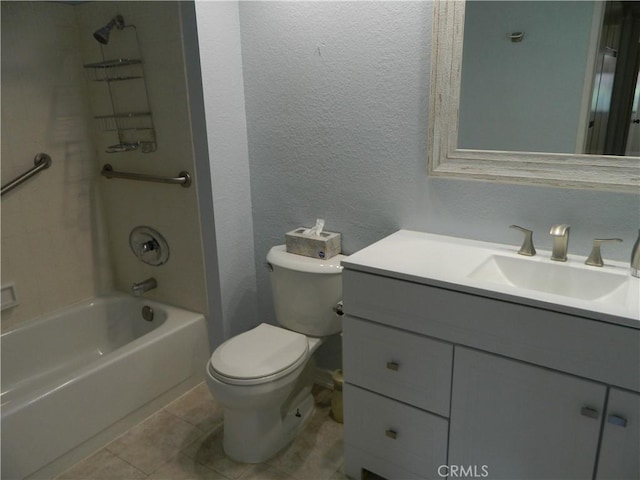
(614, 173)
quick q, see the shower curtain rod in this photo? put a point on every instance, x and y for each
(41, 161)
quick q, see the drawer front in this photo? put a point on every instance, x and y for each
(405, 366)
(394, 432)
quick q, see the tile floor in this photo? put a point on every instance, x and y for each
(184, 441)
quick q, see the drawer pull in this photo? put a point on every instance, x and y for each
(392, 434)
(393, 366)
(617, 420)
(589, 412)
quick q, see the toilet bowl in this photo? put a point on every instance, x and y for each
(263, 377)
(266, 395)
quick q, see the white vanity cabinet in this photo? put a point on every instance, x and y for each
(438, 378)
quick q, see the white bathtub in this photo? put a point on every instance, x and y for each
(69, 376)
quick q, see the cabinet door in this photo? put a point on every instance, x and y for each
(620, 449)
(515, 420)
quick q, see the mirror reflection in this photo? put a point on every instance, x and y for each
(553, 77)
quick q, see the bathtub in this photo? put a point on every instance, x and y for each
(74, 374)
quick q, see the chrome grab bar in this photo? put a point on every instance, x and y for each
(183, 178)
(41, 162)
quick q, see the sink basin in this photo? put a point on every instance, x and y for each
(574, 281)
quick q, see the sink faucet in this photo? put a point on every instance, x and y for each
(527, 248)
(138, 289)
(595, 257)
(560, 234)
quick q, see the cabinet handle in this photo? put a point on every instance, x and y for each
(392, 434)
(393, 366)
(617, 420)
(590, 412)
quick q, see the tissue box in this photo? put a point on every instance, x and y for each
(324, 246)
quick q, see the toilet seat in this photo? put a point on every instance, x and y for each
(263, 354)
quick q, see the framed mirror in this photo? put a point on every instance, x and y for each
(531, 161)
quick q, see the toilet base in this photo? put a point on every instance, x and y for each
(269, 430)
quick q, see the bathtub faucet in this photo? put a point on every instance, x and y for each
(138, 289)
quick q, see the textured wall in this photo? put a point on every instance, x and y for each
(337, 112)
(220, 60)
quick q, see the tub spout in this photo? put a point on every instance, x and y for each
(138, 289)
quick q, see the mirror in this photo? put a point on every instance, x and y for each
(473, 132)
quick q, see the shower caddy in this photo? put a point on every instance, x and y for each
(126, 85)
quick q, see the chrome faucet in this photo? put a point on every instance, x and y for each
(138, 289)
(560, 234)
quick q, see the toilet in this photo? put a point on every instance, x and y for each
(263, 377)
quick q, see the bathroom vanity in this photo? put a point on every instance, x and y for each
(464, 359)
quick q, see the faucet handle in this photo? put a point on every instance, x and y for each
(595, 258)
(527, 247)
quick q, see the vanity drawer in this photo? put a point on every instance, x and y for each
(405, 366)
(393, 432)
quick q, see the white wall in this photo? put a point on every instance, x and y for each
(170, 209)
(65, 233)
(52, 234)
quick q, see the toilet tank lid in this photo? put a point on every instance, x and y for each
(279, 257)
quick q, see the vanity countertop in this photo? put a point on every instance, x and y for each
(476, 267)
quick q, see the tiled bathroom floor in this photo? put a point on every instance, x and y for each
(184, 441)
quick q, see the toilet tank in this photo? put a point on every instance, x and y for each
(306, 291)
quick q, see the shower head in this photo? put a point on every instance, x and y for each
(102, 34)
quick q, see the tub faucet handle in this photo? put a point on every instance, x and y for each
(595, 257)
(527, 247)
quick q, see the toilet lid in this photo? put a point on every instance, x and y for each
(264, 351)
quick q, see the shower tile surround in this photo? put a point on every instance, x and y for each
(170, 209)
(51, 226)
(68, 227)
(184, 440)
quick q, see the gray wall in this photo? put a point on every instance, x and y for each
(227, 230)
(337, 110)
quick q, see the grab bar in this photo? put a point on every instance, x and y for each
(183, 178)
(41, 162)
